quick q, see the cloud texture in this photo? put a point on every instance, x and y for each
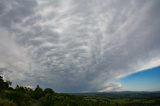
(77, 45)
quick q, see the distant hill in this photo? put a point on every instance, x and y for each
(122, 94)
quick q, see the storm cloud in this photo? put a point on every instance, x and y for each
(77, 45)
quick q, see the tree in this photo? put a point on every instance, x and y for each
(48, 91)
(3, 84)
(1, 79)
(38, 92)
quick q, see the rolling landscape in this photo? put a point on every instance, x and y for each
(79, 52)
(23, 96)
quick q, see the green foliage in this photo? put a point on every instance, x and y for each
(5, 102)
(38, 93)
(23, 96)
(48, 91)
(3, 84)
(20, 98)
(48, 100)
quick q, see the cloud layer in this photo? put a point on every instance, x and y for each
(76, 46)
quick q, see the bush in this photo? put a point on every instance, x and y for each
(5, 102)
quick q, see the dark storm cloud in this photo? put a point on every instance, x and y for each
(14, 11)
(76, 46)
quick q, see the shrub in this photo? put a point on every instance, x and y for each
(5, 102)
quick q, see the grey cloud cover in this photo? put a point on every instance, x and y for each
(77, 45)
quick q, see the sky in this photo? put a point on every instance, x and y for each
(145, 80)
(78, 45)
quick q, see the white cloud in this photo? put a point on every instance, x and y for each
(77, 45)
(111, 87)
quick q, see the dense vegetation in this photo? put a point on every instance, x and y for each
(23, 96)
